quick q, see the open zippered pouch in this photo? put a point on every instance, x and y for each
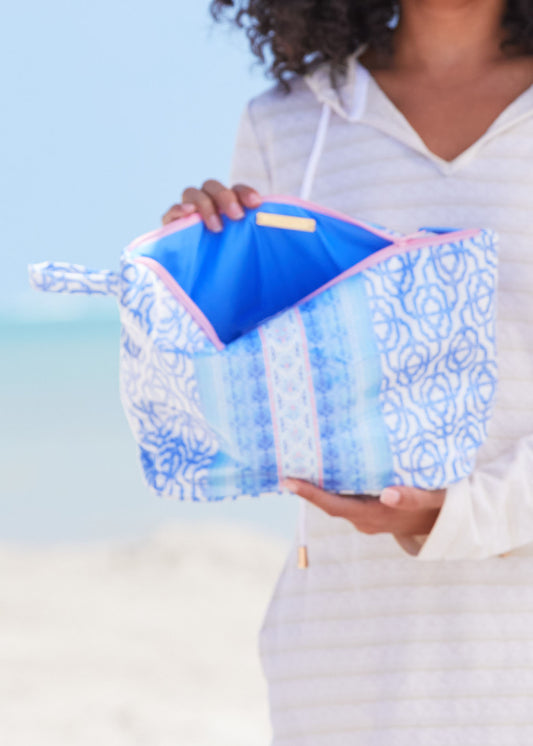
(300, 342)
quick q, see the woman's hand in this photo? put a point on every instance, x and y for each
(212, 200)
(402, 511)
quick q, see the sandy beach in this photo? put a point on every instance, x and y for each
(148, 642)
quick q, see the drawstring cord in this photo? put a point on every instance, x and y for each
(316, 152)
(303, 558)
(305, 192)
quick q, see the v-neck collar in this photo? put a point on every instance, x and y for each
(360, 99)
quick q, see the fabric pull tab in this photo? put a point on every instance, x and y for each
(287, 222)
(303, 559)
(61, 277)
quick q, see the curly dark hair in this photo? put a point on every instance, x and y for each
(292, 36)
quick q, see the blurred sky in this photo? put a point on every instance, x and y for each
(109, 109)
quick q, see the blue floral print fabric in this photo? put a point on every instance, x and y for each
(299, 342)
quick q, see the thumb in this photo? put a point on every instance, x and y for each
(412, 498)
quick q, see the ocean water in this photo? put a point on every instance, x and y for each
(68, 463)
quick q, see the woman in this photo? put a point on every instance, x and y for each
(429, 123)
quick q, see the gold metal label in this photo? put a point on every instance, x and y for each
(289, 222)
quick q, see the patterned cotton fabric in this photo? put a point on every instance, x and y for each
(383, 372)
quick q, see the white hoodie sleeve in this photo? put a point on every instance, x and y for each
(487, 514)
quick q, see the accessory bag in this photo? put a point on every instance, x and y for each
(299, 342)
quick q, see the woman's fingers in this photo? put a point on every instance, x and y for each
(225, 200)
(230, 202)
(414, 513)
(333, 504)
(247, 196)
(178, 211)
(412, 498)
(206, 206)
(211, 201)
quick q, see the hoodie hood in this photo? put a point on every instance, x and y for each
(341, 100)
(359, 99)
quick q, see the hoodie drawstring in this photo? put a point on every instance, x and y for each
(316, 152)
(305, 192)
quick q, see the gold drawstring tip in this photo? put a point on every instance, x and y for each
(303, 561)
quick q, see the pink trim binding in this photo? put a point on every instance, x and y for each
(194, 219)
(401, 246)
(168, 230)
(311, 389)
(280, 199)
(178, 292)
(273, 408)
